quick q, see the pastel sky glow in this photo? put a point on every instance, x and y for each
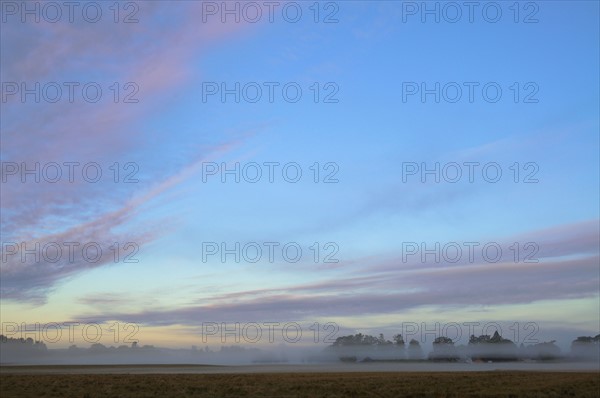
(370, 217)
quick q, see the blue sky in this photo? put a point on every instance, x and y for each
(366, 136)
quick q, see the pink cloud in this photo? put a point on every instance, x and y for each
(157, 54)
(399, 288)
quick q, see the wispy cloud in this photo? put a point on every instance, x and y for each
(159, 62)
(401, 288)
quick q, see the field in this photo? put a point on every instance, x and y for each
(345, 384)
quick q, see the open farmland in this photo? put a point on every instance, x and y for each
(367, 384)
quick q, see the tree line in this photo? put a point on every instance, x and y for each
(362, 347)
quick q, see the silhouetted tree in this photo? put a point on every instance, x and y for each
(382, 341)
(444, 350)
(357, 340)
(544, 351)
(21, 343)
(414, 350)
(351, 348)
(586, 348)
(399, 340)
(495, 348)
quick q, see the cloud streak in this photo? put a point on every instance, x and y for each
(398, 289)
(159, 62)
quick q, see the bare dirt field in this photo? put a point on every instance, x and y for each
(215, 381)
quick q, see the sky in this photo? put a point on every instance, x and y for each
(362, 166)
